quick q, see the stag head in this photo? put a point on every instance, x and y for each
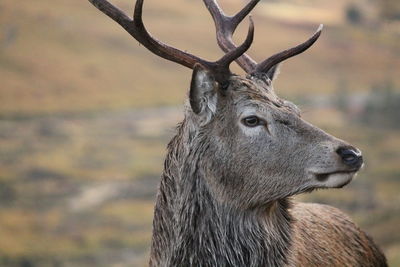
(258, 148)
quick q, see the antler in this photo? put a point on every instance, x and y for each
(272, 61)
(138, 31)
(226, 26)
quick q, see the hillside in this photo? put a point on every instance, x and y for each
(70, 58)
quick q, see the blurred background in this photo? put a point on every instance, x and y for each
(86, 113)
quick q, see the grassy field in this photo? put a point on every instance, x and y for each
(86, 113)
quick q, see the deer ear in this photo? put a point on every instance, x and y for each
(203, 90)
(273, 73)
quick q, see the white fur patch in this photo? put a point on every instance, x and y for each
(338, 180)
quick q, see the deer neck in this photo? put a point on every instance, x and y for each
(192, 228)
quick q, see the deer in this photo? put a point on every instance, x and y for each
(237, 159)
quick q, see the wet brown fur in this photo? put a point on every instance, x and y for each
(325, 236)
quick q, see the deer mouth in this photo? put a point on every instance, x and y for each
(336, 179)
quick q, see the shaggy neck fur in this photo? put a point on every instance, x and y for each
(192, 228)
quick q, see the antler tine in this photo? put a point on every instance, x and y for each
(270, 62)
(138, 31)
(112, 11)
(222, 65)
(243, 13)
(226, 26)
(237, 52)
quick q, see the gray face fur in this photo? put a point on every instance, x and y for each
(252, 166)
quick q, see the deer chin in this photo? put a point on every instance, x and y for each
(337, 179)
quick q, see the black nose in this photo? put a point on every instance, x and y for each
(350, 156)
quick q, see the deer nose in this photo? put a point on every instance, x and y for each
(351, 156)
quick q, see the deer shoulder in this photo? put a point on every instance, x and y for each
(325, 236)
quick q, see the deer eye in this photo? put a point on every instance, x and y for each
(252, 121)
